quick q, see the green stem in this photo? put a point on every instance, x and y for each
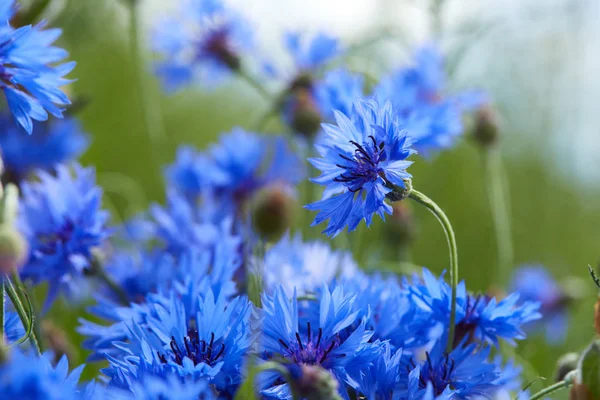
(436, 11)
(551, 389)
(445, 222)
(256, 85)
(151, 110)
(99, 271)
(25, 319)
(500, 214)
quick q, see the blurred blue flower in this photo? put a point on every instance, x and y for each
(32, 377)
(311, 54)
(61, 218)
(13, 328)
(55, 142)
(361, 157)
(234, 169)
(338, 90)
(304, 266)
(535, 283)
(203, 42)
(206, 339)
(319, 339)
(417, 92)
(30, 70)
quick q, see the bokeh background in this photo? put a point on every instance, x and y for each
(538, 60)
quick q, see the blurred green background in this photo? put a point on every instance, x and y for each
(555, 217)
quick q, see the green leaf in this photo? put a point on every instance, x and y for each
(31, 322)
(590, 368)
(246, 390)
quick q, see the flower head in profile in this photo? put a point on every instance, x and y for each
(62, 220)
(203, 42)
(418, 93)
(363, 157)
(28, 376)
(305, 266)
(57, 141)
(204, 338)
(31, 70)
(535, 283)
(330, 336)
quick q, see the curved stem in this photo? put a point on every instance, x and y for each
(551, 389)
(500, 214)
(445, 222)
(26, 320)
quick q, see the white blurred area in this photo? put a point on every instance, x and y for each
(539, 60)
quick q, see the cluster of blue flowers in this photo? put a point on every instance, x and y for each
(191, 298)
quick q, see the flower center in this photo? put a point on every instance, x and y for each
(439, 376)
(466, 327)
(50, 242)
(217, 46)
(312, 351)
(364, 166)
(199, 351)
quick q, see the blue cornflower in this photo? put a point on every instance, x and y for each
(55, 142)
(362, 158)
(233, 170)
(305, 338)
(206, 339)
(464, 373)
(61, 218)
(203, 42)
(30, 70)
(418, 95)
(535, 283)
(478, 318)
(304, 266)
(311, 54)
(32, 377)
(338, 90)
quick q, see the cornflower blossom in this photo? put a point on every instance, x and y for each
(31, 70)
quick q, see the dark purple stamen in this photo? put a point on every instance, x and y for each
(199, 351)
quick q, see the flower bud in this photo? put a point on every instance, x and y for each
(564, 365)
(273, 212)
(305, 116)
(313, 382)
(13, 249)
(486, 126)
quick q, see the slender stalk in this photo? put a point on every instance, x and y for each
(445, 222)
(500, 214)
(98, 271)
(256, 85)
(25, 319)
(152, 114)
(551, 389)
(436, 11)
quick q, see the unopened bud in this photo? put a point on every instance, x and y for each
(565, 364)
(305, 117)
(13, 249)
(313, 382)
(273, 212)
(486, 126)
